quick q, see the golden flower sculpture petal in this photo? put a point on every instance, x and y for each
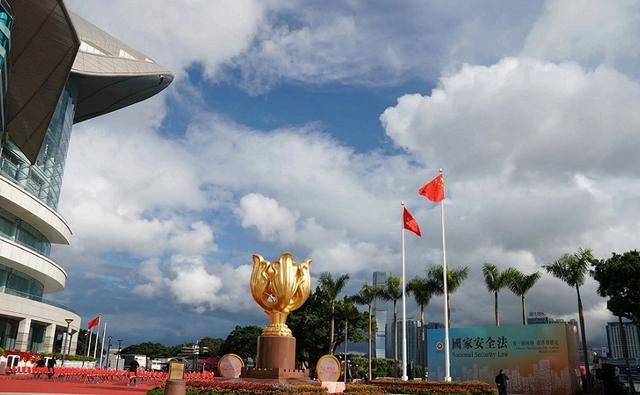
(280, 288)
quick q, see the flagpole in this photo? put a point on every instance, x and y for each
(95, 346)
(104, 336)
(404, 308)
(89, 344)
(447, 368)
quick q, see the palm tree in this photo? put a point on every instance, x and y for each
(345, 310)
(455, 277)
(422, 290)
(494, 281)
(520, 284)
(367, 296)
(333, 287)
(393, 292)
(573, 270)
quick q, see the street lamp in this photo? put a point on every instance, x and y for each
(109, 351)
(66, 338)
(118, 355)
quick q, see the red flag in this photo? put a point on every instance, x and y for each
(434, 190)
(410, 223)
(93, 322)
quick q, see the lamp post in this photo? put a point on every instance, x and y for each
(109, 350)
(118, 355)
(66, 338)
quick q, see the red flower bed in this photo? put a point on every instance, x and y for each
(436, 387)
(214, 387)
(210, 387)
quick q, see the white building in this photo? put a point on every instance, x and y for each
(615, 340)
(56, 69)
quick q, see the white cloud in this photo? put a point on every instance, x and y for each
(265, 214)
(589, 32)
(180, 33)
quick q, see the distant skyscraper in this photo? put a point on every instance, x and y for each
(615, 341)
(380, 308)
(413, 340)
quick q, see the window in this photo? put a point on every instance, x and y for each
(125, 54)
(88, 48)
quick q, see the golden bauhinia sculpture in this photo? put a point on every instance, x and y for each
(280, 288)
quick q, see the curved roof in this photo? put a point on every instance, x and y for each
(43, 47)
(111, 74)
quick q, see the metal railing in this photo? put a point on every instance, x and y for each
(35, 298)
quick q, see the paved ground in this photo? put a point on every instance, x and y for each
(46, 387)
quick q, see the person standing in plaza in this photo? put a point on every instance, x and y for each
(501, 382)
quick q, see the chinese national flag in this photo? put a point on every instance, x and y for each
(410, 223)
(93, 322)
(434, 190)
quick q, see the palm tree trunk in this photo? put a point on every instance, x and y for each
(421, 341)
(496, 308)
(395, 339)
(346, 341)
(625, 352)
(524, 308)
(370, 378)
(585, 351)
(333, 308)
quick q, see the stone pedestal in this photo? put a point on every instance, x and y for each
(175, 387)
(276, 360)
(276, 352)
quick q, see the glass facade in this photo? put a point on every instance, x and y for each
(6, 21)
(16, 230)
(8, 333)
(15, 283)
(36, 338)
(44, 178)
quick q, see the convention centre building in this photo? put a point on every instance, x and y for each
(56, 69)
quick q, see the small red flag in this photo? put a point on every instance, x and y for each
(434, 189)
(93, 322)
(410, 223)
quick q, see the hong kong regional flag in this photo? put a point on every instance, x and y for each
(93, 322)
(410, 223)
(434, 190)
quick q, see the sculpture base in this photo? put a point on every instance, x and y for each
(277, 353)
(275, 374)
(175, 387)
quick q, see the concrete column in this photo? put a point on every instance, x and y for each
(22, 339)
(49, 337)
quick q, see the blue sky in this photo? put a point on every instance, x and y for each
(301, 128)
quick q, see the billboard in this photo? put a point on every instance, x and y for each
(538, 359)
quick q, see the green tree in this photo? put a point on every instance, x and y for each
(309, 327)
(422, 290)
(83, 343)
(520, 284)
(333, 287)
(393, 292)
(367, 296)
(151, 350)
(495, 281)
(619, 280)
(573, 269)
(345, 312)
(243, 341)
(455, 278)
(213, 344)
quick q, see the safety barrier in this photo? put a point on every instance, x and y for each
(97, 375)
